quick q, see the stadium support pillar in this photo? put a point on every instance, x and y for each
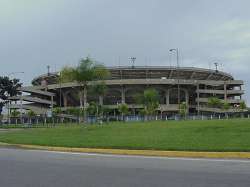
(123, 95)
(187, 99)
(198, 99)
(100, 100)
(225, 91)
(167, 97)
(52, 103)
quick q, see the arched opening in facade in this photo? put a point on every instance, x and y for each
(162, 95)
(173, 96)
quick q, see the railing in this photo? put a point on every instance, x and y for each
(228, 92)
(44, 121)
(232, 101)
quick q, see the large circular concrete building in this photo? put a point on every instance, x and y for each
(196, 86)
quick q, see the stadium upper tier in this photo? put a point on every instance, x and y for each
(151, 72)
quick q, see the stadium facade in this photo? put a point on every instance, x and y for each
(196, 85)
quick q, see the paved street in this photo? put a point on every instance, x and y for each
(28, 168)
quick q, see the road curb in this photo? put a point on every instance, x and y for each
(186, 154)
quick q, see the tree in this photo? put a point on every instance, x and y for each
(183, 109)
(66, 75)
(8, 88)
(93, 109)
(100, 89)
(242, 107)
(214, 102)
(87, 70)
(31, 114)
(57, 111)
(226, 107)
(15, 113)
(123, 109)
(150, 101)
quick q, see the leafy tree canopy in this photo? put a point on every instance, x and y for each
(150, 100)
(123, 108)
(214, 102)
(66, 75)
(8, 88)
(99, 88)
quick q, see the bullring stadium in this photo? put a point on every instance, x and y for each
(194, 86)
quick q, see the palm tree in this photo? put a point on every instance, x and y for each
(243, 107)
(100, 89)
(123, 109)
(183, 109)
(150, 100)
(92, 108)
(226, 107)
(66, 75)
(86, 71)
(15, 113)
(31, 114)
(214, 102)
(57, 111)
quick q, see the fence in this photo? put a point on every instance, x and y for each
(43, 121)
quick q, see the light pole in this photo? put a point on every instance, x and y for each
(133, 61)
(60, 90)
(216, 66)
(177, 72)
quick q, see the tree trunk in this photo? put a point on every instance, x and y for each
(85, 103)
(101, 104)
(100, 100)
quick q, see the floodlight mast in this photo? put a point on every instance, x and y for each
(216, 66)
(177, 71)
(133, 61)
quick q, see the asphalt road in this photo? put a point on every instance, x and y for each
(29, 168)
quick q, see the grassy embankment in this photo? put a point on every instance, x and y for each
(215, 135)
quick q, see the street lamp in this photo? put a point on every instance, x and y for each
(177, 71)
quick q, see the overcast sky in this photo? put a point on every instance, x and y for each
(37, 33)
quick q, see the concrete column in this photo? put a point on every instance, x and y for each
(186, 97)
(100, 100)
(167, 97)
(123, 95)
(21, 114)
(225, 91)
(187, 100)
(52, 102)
(198, 97)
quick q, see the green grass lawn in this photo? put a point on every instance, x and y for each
(219, 135)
